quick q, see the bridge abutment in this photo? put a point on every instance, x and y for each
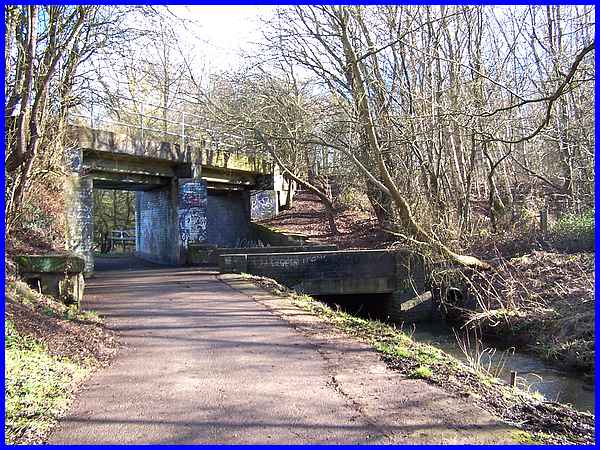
(399, 274)
(79, 222)
(169, 219)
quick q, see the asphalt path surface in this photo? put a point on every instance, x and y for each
(203, 362)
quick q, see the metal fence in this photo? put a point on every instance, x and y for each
(171, 125)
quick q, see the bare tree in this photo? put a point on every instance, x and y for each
(46, 48)
(434, 105)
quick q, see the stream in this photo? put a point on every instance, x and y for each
(533, 373)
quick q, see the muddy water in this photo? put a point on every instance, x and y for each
(532, 372)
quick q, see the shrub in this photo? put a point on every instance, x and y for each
(422, 372)
(574, 232)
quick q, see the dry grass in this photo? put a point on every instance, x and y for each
(543, 300)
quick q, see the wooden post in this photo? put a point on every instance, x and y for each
(544, 220)
(513, 379)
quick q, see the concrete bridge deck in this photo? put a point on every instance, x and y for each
(205, 363)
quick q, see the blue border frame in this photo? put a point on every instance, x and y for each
(273, 3)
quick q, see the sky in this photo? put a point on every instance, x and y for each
(218, 33)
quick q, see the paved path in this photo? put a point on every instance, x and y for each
(204, 363)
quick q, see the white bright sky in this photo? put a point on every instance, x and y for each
(216, 34)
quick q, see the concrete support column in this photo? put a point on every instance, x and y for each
(138, 224)
(192, 199)
(156, 224)
(79, 206)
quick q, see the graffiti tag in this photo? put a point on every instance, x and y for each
(262, 205)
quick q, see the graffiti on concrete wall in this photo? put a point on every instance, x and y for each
(263, 204)
(192, 195)
(192, 225)
(73, 159)
(192, 212)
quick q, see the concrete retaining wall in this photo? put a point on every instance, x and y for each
(334, 272)
(228, 217)
(209, 255)
(399, 273)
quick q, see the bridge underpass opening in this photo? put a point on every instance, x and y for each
(168, 213)
(150, 208)
(114, 222)
(161, 199)
(153, 215)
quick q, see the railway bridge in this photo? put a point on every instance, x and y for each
(183, 195)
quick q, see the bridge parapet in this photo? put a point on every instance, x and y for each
(209, 254)
(402, 274)
(333, 272)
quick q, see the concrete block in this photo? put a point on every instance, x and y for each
(60, 276)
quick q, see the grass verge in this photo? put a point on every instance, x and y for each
(38, 387)
(49, 350)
